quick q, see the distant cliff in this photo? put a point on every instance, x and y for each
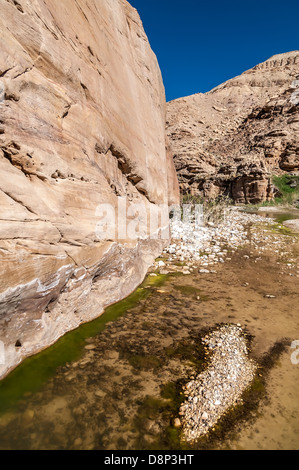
(82, 124)
(232, 139)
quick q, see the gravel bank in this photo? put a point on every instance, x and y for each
(221, 385)
(212, 244)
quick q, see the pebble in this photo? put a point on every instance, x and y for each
(164, 271)
(177, 423)
(78, 442)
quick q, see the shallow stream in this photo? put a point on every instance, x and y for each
(116, 383)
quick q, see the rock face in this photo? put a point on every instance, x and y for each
(233, 138)
(82, 124)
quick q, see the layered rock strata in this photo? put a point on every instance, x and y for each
(82, 125)
(234, 138)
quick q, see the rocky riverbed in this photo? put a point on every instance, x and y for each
(124, 390)
(211, 244)
(213, 392)
(204, 247)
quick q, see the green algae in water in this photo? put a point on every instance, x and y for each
(35, 371)
(188, 290)
(144, 362)
(164, 410)
(280, 218)
(282, 230)
(191, 291)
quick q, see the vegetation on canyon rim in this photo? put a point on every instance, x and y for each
(286, 195)
(288, 190)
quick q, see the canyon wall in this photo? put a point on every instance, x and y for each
(82, 127)
(232, 139)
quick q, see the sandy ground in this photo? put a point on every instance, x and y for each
(277, 427)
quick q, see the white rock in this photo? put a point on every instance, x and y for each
(161, 264)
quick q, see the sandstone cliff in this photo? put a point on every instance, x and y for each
(82, 123)
(232, 139)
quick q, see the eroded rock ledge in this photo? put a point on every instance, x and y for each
(82, 123)
(232, 139)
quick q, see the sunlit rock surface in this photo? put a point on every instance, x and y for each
(232, 139)
(82, 123)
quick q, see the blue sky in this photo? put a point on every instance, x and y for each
(200, 44)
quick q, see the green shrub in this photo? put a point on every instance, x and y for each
(287, 193)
